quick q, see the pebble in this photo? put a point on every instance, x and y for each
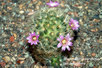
(100, 52)
(6, 59)
(85, 25)
(91, 64)
(15, 35)
(81, 53)
(93, 54)
(94, 30)
(100, 16)
(81, 22)
(100, 58)
(87, 38)
(2, 64)
(80, 7)
(3, 45)
(21, 12)
(26, 55)
(31, 13)
(65, 58)
(20, 62)
(12, 39)
(96, 20)
(21, 58)
(23, 17)
(77, 64)
(13, 59)
(88, 44)
(0, 57)
(21, 43)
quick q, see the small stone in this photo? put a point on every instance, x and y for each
(21, 12)
(21, 58)
(23, 17)
(12, 39)
(81, 23)
(95, 67)
(100, 52)
(65, 58)
(9, 8)
(88, 38)
(7, 59)
(0, 57)
(93, 54)
(20, 6)
(34, 0)
(100, 16)
(2, 64)
(101, 58)
(70, 13)
(37, 7)
(77, 64)
(18, 61)
(62, 5)
(80, 7)
(26, 55)
(86, 7)
(90, 64)
(21, 43)
(81, 53)
(13, 58)
(37, 66)
(85, 25)
(75, 14)
(39, 3)
(94, 30)
(96, 20)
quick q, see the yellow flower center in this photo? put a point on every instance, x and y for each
(72, 25)
(34, 38)
(64, 41)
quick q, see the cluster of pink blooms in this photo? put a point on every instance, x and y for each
(64, 42)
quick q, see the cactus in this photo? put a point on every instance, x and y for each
(50, 23)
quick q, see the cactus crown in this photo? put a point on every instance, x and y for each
(50, 23)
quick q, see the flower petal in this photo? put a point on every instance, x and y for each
(31, 43)
(52, 4)
(33, 34)
(35, 42)
(30, 38)
(75, 23)
(68, 48)
(59, 45)
(58, 39)
(63, 48)
(70, 43)
(67, 36)
(61, 36)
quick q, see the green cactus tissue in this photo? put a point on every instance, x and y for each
(52, 31)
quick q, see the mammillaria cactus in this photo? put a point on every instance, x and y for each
(50, 24)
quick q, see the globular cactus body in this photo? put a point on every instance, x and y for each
(50, 23)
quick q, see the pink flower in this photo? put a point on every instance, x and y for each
(33, 38)
(53, 4)
(65, 42)
(73, 24)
